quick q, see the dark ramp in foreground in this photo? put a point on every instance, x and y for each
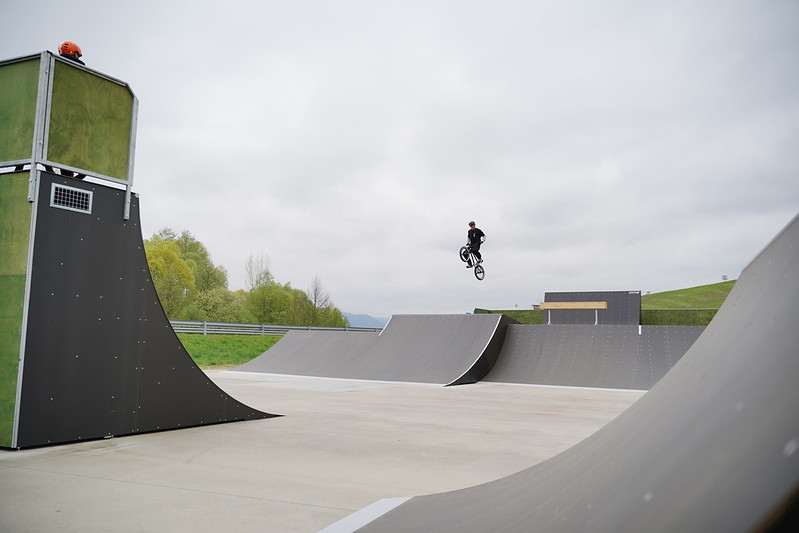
(606, 356)
(713, 446)
(443, 349)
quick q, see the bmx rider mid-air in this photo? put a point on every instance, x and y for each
(475, 237)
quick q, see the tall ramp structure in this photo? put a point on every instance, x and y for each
(86, 350)
(713, 446)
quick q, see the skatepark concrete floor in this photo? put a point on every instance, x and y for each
(340, 446)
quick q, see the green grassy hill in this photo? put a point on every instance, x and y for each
(702, 297)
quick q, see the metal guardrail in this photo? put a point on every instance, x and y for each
(225, 328)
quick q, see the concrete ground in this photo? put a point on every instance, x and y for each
(341, 446)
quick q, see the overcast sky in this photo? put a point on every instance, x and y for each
(600, 145)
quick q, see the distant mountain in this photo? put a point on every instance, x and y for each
(365, 321)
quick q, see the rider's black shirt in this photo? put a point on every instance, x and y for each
(474, 235)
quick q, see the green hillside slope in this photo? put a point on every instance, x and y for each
(702, 297)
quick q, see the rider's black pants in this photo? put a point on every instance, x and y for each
(475, 246)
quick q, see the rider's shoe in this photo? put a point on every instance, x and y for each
(468, 265)
(479, 261)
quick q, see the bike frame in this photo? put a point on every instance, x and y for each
(471, 261)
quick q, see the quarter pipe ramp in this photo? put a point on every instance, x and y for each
(100, 357)
(605, 356)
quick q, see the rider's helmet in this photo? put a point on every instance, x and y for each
(68, 48)
(471, 223)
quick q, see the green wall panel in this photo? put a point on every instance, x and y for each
(90, 122)
(15, 219)
(12, 291)
(18, 85)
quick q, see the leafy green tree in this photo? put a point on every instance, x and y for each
(334, 318)
(271, 303)
(221, 305)
(207, 276)
(275, 303)
(191, 287)
(172, 276)
(191, 311)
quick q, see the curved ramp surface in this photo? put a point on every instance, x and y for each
(313, 353)
(606, 356)
(713, 446)
(443, 349)
(101, 358)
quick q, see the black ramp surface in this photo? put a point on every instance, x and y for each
(435, 348)
(441, 349)
(606, 356)
(101, 358)
(314, 353)
(714, 446)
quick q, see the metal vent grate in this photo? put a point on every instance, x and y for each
(71, 198)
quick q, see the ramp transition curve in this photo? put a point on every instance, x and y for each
(443, 349)
(604, 356)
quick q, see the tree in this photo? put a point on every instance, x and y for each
(317, 294)
(191, 287)
(183, 270)
(318, 300)
(320, 310)
(207, 276)
(271, 303)
(334, 318)
(172, 276)
(256, 271)
(221, 305)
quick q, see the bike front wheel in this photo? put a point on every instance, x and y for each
(479, 272)
(464, 253)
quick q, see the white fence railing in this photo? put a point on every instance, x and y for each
(211, 328)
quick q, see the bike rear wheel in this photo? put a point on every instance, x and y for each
(479, 272)
(464, 254)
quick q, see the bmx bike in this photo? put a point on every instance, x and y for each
(468, 257)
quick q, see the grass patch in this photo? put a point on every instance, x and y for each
(702, 297)
(225, 351)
